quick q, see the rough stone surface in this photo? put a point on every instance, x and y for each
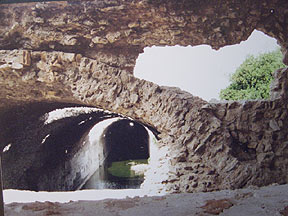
(267, 201)
(97, 27)
(84, 53)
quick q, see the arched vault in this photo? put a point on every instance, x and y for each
(84, 52)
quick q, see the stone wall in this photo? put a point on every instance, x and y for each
(84, 52)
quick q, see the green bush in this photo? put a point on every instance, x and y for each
(253, 77)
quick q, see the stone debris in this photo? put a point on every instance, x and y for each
(284, 212)
(266, 201)
(215, 207)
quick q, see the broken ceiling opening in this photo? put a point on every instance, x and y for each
(200, 70)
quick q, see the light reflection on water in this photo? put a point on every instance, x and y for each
(101, 179)
(121, 184)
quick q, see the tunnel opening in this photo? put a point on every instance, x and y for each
(65, 148)
(126, 151)
(42, 145)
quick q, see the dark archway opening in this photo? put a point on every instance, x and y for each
(38, 146)
(127, 140)
(126, 144)
(58, 147)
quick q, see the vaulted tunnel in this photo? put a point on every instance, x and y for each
(125, 143)
(58, 147)
(126, 140)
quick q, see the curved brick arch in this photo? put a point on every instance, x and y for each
(84, 52)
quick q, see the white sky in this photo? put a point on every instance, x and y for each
(199, 70)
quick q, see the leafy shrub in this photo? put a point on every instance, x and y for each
(253, 77)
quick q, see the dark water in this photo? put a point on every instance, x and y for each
(102, 179)
(113, 182)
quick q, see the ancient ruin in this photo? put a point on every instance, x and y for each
(82, 53)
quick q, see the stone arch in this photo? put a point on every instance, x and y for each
(93, 65)
(55, 145)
